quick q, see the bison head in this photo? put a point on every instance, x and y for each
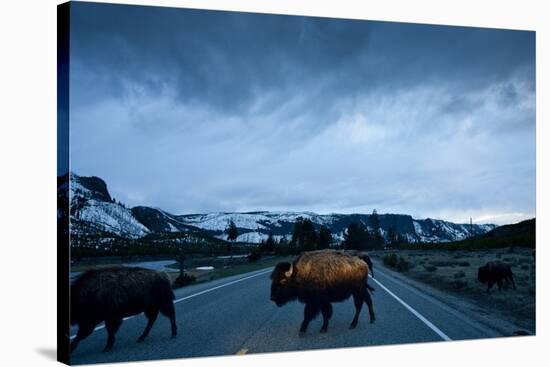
(282, 289)
(482, 274)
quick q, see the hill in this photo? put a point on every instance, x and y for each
(95, 214)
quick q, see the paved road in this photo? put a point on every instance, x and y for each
(234, 316)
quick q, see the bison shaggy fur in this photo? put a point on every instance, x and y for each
(110, 294)
(319, 278)
(495, 272)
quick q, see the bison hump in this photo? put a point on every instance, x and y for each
(327, 268)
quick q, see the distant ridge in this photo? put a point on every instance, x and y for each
(93, 210)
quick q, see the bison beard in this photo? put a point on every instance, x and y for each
(495, 272)
(318, 278)
(110, 294)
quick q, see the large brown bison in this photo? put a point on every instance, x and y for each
(363, 256)
(318, 278)
(495, 272)
(110, 294)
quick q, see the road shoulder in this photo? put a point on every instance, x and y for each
(476, 312)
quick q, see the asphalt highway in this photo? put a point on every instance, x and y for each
(235, 316)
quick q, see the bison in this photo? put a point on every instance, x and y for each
(318, 278)
(495, 272)
(110, 294)
(363, 256)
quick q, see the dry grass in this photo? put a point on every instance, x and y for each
(456, 272)
(231, 268)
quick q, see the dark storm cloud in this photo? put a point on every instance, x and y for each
(221, 58)
(239, 111)
(226, 58)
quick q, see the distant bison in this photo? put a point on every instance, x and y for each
(110, 294)
(363, 256)
(318, 278)
(495, 272)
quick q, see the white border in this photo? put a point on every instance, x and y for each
(28, 185)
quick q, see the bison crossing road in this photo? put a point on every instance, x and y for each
(111, 294)
(319, 278)
(235, 315)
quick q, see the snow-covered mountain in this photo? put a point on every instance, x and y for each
(256, 226)
(93, 209)
(92, 206)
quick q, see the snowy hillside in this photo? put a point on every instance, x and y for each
(256, 226)
(92, 208)
(92, 204)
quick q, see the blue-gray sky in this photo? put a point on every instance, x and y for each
(200, 111)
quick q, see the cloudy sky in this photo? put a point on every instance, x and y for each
(200, 111)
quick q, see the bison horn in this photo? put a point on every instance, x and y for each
(289, 272)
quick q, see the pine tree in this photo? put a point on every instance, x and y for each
(296, 235)
(304, 236)
(392, 236)
(325, 238)
(309, 236)
(356, 237)
(262, 246)
(232, 234)
(270, 243)
(282, 248)
(377, 241)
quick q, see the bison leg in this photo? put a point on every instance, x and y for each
(358, 301)
(84, 330)
(511, 278)
(371, 267)
(310, 311)
(112, 326)
(326, 310)
(151, 318)
(368, 301)
(169, 311)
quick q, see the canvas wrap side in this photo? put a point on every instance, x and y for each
(63, 239)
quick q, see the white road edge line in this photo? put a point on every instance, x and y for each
(221, 286)
(416, 313)
(195, 295)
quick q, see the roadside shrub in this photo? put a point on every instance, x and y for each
(390, 260)
(402, 265)
(459, 274)
(254, 256)
(463, 263)
(430, 268)
(183, 281)
(399, 263)
(443, 263)
(524, 267)
(459, 284)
